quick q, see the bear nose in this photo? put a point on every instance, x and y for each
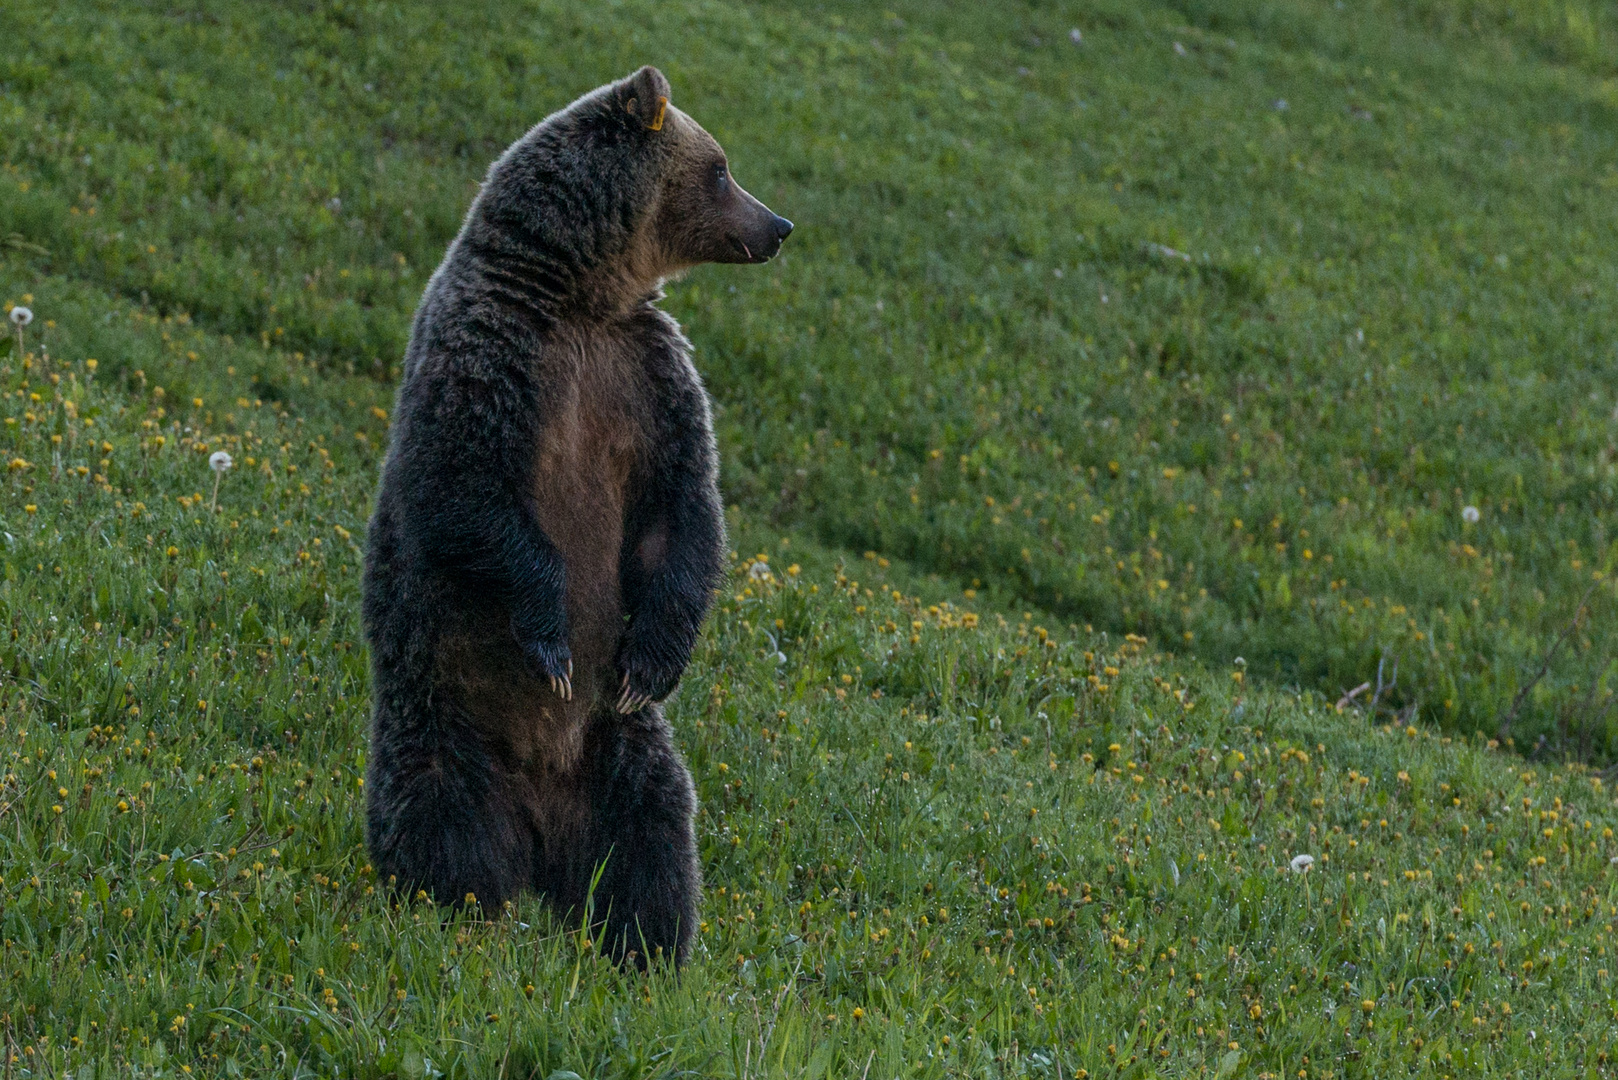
(783, 227)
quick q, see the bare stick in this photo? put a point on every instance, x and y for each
(1376, 695)
(1349, 695)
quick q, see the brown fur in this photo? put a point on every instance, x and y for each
(548, 530)
(584, 459)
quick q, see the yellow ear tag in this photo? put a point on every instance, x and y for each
(657, 121)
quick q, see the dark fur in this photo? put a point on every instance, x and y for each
(549, 507)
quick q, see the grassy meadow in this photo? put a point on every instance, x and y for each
(1110, 413)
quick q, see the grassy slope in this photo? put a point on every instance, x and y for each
(1397, 302)
(1003, 854)
(206, 864)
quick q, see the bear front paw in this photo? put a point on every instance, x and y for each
(643, 684)
(552, 660)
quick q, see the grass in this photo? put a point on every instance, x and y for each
(965, 813)
(939, 839)
(979, 353)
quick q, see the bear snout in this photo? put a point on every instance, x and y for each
(762, 245)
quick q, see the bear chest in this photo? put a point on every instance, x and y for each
(588, 449)
(589, 455)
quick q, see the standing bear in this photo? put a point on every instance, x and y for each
(548, 532)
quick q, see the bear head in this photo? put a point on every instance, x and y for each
(621, 188)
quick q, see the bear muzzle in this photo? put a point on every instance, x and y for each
(761, 244)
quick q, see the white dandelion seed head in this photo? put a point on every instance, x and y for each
(758, 571)
(1302, 863)
(21, 316)
(1076, 36)
(1470, 515)
(219, 461)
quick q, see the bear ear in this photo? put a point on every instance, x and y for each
(645, 96)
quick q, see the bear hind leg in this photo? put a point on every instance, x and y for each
(448, 822)
(646, 896)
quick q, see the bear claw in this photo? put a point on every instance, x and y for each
(630, 701)
(551, 662)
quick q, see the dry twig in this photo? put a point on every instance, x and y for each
(1349, 695)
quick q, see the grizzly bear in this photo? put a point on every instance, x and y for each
(548, 531)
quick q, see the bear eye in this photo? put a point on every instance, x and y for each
(721, 175)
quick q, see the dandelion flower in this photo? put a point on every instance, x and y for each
(218, 461)
(21, 317)
(1302, 863)
(1470, 515)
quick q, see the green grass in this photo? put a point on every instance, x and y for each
(1070, 852)
(1018, 843)
(1397, 300)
